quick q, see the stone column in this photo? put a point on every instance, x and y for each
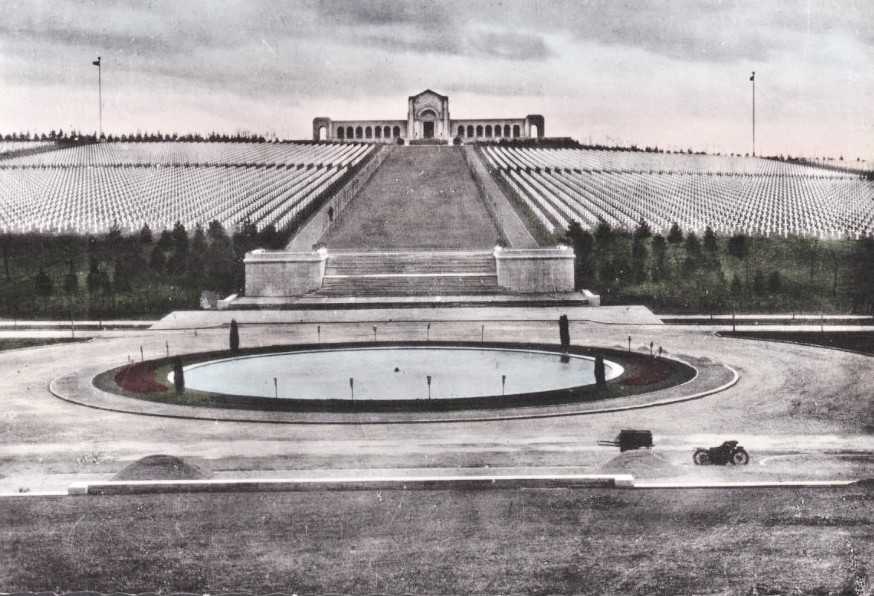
(411, 131)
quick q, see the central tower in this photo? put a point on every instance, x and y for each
(428, 116)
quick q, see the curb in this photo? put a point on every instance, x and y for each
(375, 483)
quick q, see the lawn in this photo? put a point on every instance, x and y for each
(17, 343)
(853, 341)
(536, 541)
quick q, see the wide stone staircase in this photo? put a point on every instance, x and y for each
(398, 274)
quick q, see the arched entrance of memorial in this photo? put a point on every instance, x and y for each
(428, 118)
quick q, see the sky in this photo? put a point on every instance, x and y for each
(673, 74)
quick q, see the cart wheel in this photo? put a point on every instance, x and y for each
(701, 458)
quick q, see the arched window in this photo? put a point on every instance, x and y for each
(349, 133)
(386, 131)
(497, 131)
(479, 131)
(323, 133)
(396, 132)
(507, 130)
(488, 131)
(470, 130)
(516, 131)
(377, 132)
(341, 133)
(368, 133)
(534, 134)
(358, 132)
(460, 131)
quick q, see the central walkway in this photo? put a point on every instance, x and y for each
(419, 198)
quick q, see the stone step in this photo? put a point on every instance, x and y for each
(409, 285)
(409, 264)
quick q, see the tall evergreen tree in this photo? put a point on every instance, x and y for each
(178, 376)
(675, 235)
(564, 332)
(234, 336)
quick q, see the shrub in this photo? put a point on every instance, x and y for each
(564, 332)
(178, 376)
(235, 336)
(600, 373)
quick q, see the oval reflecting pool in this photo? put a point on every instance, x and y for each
(395, 373)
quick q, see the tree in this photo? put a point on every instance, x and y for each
(234, 336)
(693, 246)
(675, 235)
(178, 375)
(642, 231)
(583, 244)
(180, 239)
(737, 246)
(216, 230)
(165, 240)
(157, 260)
(43, 286)
(121, 279)
(564, 333)
(660, 252)
(711, 246)
(600, 372)
(603, 234)
(145, 234)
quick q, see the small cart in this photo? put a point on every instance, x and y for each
(630, 439)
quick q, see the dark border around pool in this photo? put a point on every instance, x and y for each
(643, 374)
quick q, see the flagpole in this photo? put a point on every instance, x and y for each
(99, 96)
(753, 79)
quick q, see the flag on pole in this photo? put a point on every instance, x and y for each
(97, 62)
(753, 78)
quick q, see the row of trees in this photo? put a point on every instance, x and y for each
(115, 275)
(138, 137)
(682, 271)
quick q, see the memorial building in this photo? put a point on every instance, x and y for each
(428, 120)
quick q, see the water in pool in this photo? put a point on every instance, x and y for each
(394, 373)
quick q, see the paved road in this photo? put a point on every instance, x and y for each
(803, 412)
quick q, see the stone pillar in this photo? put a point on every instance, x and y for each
(411, 131)
(280, 273)
(535, 271)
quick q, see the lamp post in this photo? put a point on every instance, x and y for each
(429, 386)
(352, 387)
(629, 343)
(503, 384)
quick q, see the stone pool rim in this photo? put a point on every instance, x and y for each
(104, 381)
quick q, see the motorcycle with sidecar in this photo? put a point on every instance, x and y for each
(727, 453)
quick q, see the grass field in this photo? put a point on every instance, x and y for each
(17, 343)
(541, 541)
(855, 342)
